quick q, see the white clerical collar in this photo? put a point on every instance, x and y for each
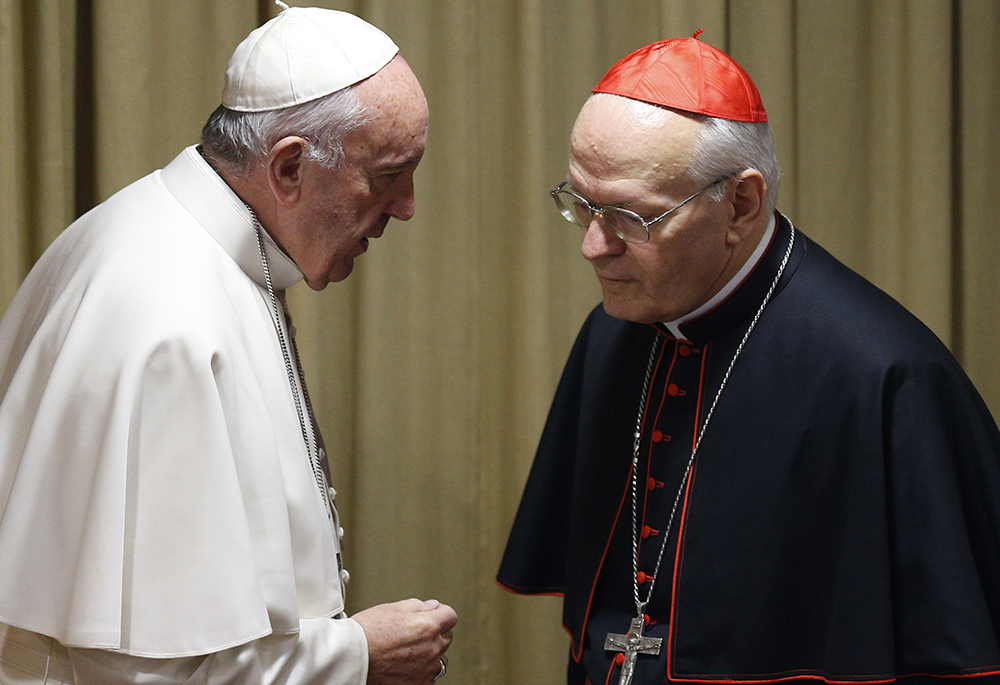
(733, 284)
(203, 193)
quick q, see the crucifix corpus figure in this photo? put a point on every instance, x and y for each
(632, 644)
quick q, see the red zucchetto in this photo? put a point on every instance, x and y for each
(689, 75)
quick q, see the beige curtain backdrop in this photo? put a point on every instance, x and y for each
(433, 366)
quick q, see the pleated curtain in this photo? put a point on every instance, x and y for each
(433, 366)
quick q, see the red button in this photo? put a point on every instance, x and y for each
(657, 435)
(647, 531)
(673, 390)
(619, 659)
(642, 577)
(685, 351)
(652, 484)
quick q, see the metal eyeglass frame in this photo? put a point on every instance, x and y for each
(594, 209)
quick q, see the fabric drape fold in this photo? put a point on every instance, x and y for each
(432, 368)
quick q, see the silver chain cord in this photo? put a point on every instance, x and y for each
(312, 446)
(639, 604)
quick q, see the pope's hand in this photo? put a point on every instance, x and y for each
(406, 640)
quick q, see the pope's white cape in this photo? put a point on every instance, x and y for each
(155, 492)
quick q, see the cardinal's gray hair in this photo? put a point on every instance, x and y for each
(725, 147)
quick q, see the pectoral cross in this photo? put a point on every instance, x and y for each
(632, 644)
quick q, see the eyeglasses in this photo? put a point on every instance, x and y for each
(626, 224)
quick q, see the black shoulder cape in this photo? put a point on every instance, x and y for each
(842, 519)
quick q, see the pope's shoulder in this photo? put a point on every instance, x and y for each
(141, 265)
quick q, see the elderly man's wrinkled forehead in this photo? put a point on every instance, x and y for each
(396, 110)
(626, 133)
(392, 90)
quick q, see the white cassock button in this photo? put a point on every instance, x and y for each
(340, 532)
(345, 577)
(333, 495)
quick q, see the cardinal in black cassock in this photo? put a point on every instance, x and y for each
(815, 489)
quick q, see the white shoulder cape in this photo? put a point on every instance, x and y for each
(155, 492)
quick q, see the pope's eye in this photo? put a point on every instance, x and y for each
(383, 181)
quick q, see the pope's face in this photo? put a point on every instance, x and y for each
(343, 209)
(629, 154)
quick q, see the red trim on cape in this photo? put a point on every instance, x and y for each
(678, 560)
(577, 646)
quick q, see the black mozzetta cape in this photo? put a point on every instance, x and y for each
(841, 521)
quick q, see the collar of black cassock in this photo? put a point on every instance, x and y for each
(743, 303)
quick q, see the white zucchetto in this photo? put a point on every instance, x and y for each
(300, 55)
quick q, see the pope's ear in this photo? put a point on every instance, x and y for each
(284, 168)
(747, 195)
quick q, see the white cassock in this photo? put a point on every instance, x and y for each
(158, 510)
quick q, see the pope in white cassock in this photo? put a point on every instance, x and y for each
(165, 514)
